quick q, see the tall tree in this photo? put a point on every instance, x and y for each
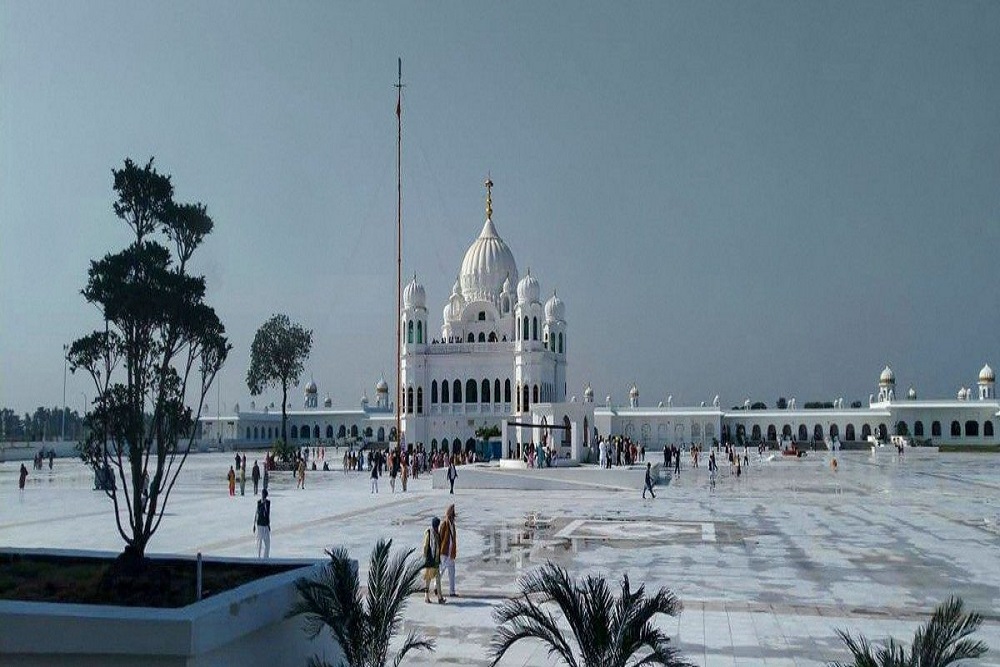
(606, 630)
(159, 339)
(277, 359)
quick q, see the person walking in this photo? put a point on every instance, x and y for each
(713, 467)
(374, 479)
(243, 479)
(262, 524)
(393, 470)
(266, 478)
(432, 561)
(232, 481)
(404, 473)
(677, 460)
(21, 479)
(649, 481)
(452, 475)
(300, 482)
(449, 547)
(255, 476)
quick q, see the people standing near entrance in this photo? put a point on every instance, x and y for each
(374, 479)
(449, 547)
(255, 476)
(243, 479)
(713, 467)
(452, 475)
(262, 523)
(666, 457)
(232, 481)
(649, 481)
(21, 479)
(404, 473)
(677, 460)
(393, 470)
(432, 561)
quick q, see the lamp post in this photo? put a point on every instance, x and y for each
(65, 364)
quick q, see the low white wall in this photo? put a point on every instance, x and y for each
(244, 626)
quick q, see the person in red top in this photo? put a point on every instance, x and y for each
(449, 547)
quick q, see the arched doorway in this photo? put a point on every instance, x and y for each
(971, 429)
(902, 428)
(866, 432)
(834, 431)
(567, 440)
(803, 432)
(772, 433)
(755, 433)
(817, 432)
(918, 429)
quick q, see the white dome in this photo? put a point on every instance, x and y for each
(328, 402)
(887, 376)
(364, 399)
(528, 289)
(633, 392)
(311, 387)
(414, 295)
(508, 286)
(588, 392)
(488, 263)
(381, 386)
(987, 375)
(555, 309)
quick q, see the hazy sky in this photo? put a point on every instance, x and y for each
(744, 198)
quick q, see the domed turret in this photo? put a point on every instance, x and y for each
(311, 397)
(987, 374)
(488, 262)
(381, 387)
(528, 289)
(633, 396)
(508, 286)
(311, 387)
(911, 394)
(588, 394)
(414, 295)
(328, 402)
(555, 309)
(887, 377)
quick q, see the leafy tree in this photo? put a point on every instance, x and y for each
(277, 358)
(943, 641)
(485, 433)
(363, 624)
(855, 404)
(759, 405)
(781, 403)
(158, 336)
(606, 630)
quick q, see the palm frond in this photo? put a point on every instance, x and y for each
(942, 641)
(522, 618)
(413, 642)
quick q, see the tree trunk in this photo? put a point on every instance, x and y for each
(284, 415)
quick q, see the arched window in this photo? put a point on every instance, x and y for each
(409, 331)
(420, 400)
(482, 337)
(866, 431)
(883, 432)
(269, 434)
(496, 390)
(755, 432)
(987, 429)
(560, 343)
(918, 428)
(936, 429)
(786, 431)
(329, 432)
(368, 431)
(470, 391)
(456, 446)
(803, 432)
(434, 392)
(444, 391)
(493, 337)
(420, 332)
(381, 433)
(902, 428)
(354, 430)
(956, 429)
(316, 431)
(506, 390)
(772, 433)
(456, 391)
(849, 432)
(434, 444)
(409, 400)
(295, 432)
(524, 333)
(342, 431)
(484, 392)
(471, 338)
(524, 399)
(255, 435)
(248, 432)
(534, 328)
(534, 394)
(817, 432)
(834, 431)
(971, 429)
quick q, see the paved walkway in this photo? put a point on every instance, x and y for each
(767, 565)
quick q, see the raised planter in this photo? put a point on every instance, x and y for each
(242, 626)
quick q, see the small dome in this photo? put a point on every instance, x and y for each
(381, 386)
(555, 309)
(911, 394)
(311, 387)
(414, 295)
(887, 376)
(961, 394)
(987, 375)
(508, 287)
(328, 402)
(364, 399)
(633, 392)
(588, 392)
(528, 289)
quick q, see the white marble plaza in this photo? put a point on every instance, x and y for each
(768, 565)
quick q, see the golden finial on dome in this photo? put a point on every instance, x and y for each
(489, 197)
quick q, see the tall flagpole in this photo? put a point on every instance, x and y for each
(399, 246)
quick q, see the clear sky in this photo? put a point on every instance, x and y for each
(740, 198)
